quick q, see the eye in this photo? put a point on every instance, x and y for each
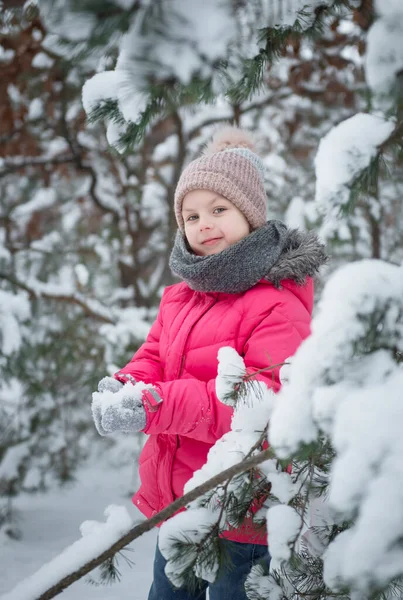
(219, 209)
(191, 218)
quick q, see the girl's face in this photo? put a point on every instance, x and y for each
(212, 223)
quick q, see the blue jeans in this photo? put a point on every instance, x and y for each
(229, 585)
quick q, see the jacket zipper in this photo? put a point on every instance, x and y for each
(182, 363)
(181, 367)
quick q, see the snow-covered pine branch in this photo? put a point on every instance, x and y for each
(345, 385)
(384, 55)
(354, 164)
(190, 541)
(344, 153)
(14, 310)
(202, 51)
(84, 555)
(96, 539)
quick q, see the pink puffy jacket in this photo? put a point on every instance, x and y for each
(265, 325)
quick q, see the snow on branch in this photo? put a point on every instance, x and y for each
(384, 54)
(96, 538)
(14, 309)
(43, 585)
(195, 35)
(36, 288)
(190, 541)
(286, 13)
(176, 51)
(343, 154)
(345, 384)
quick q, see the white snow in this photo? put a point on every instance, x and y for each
(82, 274)
(263, 585)
(107, 399)
(285, 12)
(251, 415)
(130, 324)
(97, 537)
(73, 111)
(282, 485)
(231, 371)
(12, 459)
(195, 29)
(199, 34)
(42, 61)
(75, 26)
(353, 397)
(343, 153)
(368, 477)
(113, 133)
(14, 309)
(14, 93)
(55, 146)
(283, 524)
(51, 522)
(248, 422)
(166, 149)
(295, 215)
(190, 526)
(354, 290)
(384, 53)
(42, 199)
(36, 108)
(6, 55)
(101, 86)
(37, 34)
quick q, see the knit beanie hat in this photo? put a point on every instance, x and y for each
(230, 167)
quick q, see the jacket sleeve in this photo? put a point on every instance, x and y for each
(274, 340)
(190, 407)
(145, 364)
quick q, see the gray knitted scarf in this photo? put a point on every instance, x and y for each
(273, 252)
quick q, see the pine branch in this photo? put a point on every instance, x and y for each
(110, 21)
(367, 181)
(275, 40)
(149, 524)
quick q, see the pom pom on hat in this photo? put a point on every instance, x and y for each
(230, 167)
(227, 138)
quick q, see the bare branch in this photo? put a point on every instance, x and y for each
(69, 298)
(77, 152)
(15, 165)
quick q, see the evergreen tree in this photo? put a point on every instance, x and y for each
(334, 418)
(350, 368)
(65, 302)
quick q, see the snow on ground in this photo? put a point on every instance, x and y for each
(50, 522)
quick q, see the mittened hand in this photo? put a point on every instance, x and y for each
(122, 410)
(127, 415)
(109, 384)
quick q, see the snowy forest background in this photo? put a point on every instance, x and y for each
(102, 105)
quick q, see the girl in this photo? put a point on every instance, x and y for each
(246, 284)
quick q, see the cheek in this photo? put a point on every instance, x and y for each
(187, 232)
(190, 243)
(239, 230)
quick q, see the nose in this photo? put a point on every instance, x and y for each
(204, 223)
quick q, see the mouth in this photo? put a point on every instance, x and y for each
(211, 241)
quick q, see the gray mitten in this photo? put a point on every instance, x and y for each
(96, 408)
(107, 384)
(127, 415)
